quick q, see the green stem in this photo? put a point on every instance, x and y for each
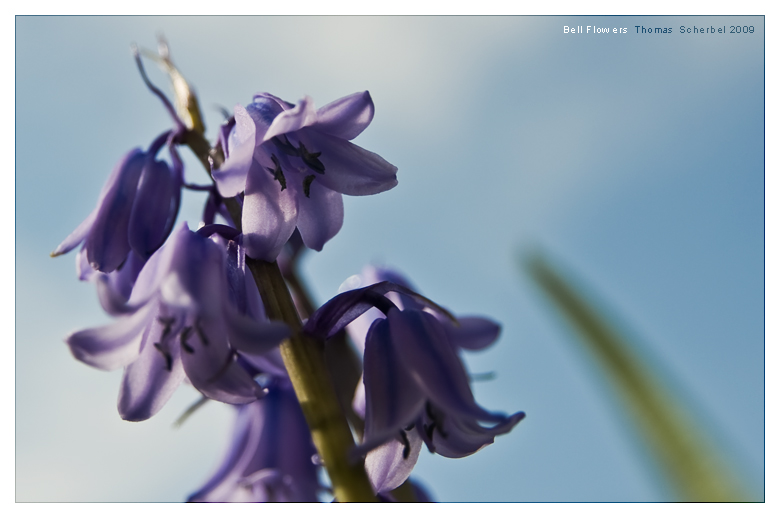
(304, 358)
(306, 364)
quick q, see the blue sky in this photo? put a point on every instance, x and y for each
(635, 161)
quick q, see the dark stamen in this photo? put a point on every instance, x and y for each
(307, 184)
(407, 445)
(201, 334)
(311, 160)
(277, 172)
(183, 338)
(166, 355)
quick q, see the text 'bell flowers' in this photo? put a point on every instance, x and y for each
(182, 320)
(416, 387)
(293, 163)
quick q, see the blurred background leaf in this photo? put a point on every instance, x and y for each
(686, 456)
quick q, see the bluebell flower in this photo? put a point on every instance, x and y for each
(270, 458)
(136, 210)
(416, 387)
(182, 320)
(293, 163)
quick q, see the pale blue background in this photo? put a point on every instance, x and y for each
(636, 161)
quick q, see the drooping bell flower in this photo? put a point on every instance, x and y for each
(179, 322)
(293, 163)
(271, 454)
(136, 210)
(416, 387)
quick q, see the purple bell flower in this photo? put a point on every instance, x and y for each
(136, 210)
(270, 454)
(416, 387)
(180, 321)
(294, 163)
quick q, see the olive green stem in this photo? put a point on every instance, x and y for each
(306, 364)
(304, 358)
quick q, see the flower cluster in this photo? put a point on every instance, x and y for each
(191, 306)
(415, 387)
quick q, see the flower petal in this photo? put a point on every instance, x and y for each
(432, 362)
(252, 337)
(349, 169)
(473, 333)
(212, 368)
(346, 117)
(77, 236)
(293, 119)
(246, 435)
(269, 217)
(112, 346)
(231, 176)
(393, 398)
(386, 466)
(155, 208)
(465, 436)
(107, 242)
(320, 216)
(149, 382)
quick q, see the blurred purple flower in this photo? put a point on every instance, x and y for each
(294, 163)
(416, 387)
(270, 458)
(135, 212)
(182, 320)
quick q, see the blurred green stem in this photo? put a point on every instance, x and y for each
(696, 470)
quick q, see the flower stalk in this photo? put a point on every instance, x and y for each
(305, 361)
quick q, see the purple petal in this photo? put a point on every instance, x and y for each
(432, 362)
(349, 169)
(268, 363)
(269, 216)
(114, 288)
(212, 367)
(320, 216)
(149, 382)
(246, 435)
(195, 280)
(386, 466)
(83, 269)
(77, 236)
(154, 271)
(252, 337)
(107, 243)
(112, 346)
(393, 399)
(466, 436)
(267, 98)
(346, 117)
(345, 307)
(231, 176)
(473, 333)
(339, 311)
(155, 209)
(293, 119)
(359, 400)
